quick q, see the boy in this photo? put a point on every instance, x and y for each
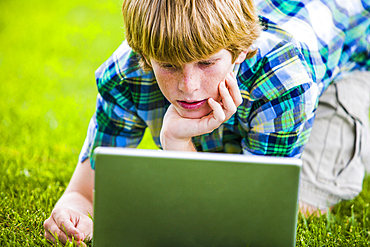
(214, 76)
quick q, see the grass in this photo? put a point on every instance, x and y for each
(49, 51)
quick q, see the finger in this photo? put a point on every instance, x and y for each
(227, 100)
(63, 219)
(54, 235)
(52, 231)
(232, 85)
(85, 225)
(81, 243)
(218, 111)
(217, 117)
(50, 238)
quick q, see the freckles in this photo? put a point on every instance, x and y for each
(167, 86)
(163, 79)
(212, 80)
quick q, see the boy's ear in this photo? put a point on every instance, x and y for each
(241, 57)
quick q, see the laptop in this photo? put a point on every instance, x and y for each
(168, 198)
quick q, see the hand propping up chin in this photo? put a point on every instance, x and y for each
(177, 131)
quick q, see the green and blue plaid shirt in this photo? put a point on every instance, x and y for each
(304, 45)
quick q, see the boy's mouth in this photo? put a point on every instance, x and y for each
(191, 105)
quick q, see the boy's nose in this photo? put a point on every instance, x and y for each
(190, 82)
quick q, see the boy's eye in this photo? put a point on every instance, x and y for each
(168, 66)
(206, 63)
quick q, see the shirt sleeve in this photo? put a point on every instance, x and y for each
(116, 122)
(279, 104)
(112, 126)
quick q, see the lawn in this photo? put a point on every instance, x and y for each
(49, 51)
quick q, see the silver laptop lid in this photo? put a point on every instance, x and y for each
(157, 198)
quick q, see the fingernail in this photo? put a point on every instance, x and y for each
(81, 243)
(79, 236)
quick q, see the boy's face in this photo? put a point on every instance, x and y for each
(188, 87)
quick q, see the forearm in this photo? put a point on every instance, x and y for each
(79, 194)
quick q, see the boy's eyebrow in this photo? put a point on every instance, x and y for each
(201, 60)
(165, 63)
(210, 58)
(213, 58)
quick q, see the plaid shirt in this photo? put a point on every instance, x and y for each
(304, 45)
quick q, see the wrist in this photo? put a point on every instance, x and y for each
(175, 144)
(74, 200)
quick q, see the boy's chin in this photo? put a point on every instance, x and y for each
(194, 114)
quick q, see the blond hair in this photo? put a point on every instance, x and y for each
(183, 31)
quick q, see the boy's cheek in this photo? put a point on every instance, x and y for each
(218, 99)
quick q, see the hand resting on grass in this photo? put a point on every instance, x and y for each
(69, 218)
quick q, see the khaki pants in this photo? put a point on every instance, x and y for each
(338, 151)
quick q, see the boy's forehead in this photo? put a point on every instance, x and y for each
(184, 31)
(214, 55)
